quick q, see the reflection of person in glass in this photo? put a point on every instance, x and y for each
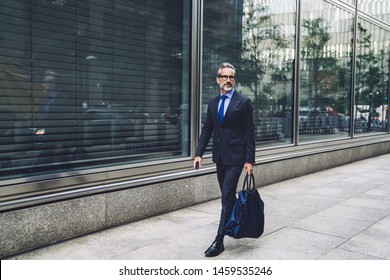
(230, 121)
(49, 85)
(54, 119)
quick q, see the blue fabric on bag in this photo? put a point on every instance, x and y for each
(247, 217)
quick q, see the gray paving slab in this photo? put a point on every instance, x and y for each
(341, 213)
(368, 202)
(333, 225)
(298, 243)
(254, 253)
(355, 212)
(374, 241)
(339, 254)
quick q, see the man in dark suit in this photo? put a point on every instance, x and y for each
(56, 139)
(230, 121)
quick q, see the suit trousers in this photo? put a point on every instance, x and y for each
(228, 176)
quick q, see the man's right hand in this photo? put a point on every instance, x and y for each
(197, 163)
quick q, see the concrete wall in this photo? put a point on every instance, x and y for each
(33, 227)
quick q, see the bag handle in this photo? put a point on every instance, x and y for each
(249, 182)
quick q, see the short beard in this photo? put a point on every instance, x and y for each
(230, 87)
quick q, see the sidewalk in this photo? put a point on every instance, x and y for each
(341, 213)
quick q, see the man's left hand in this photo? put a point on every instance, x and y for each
(248, 167)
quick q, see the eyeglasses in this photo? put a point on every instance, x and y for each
(225, 77)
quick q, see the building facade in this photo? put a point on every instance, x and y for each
(102, 101)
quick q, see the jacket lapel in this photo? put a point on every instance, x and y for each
(236, 100)
(214, 108)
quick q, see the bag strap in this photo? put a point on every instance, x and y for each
(249, 183)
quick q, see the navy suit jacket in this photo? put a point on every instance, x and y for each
(234, 139)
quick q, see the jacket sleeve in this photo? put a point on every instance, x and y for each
(249, 133)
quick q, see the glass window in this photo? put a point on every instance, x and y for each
(372, 78)
(85, 83)
(351, 2)
(380, 9)
(325, 71)
(258, 39)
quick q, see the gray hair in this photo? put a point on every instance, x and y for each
(225, 65)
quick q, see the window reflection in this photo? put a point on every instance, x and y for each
(378, 8)
(90, 82)
(325, 72)
(372, 72)
(259, 39)
(267, 65)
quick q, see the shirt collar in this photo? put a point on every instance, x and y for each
(229, 94)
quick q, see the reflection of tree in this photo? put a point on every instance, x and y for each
(321, 65)
(363, 62)
(370, 70)
(262, 41)
(222, 39)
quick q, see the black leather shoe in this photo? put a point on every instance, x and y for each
(215, 249)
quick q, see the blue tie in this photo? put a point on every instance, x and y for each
(222, 108)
